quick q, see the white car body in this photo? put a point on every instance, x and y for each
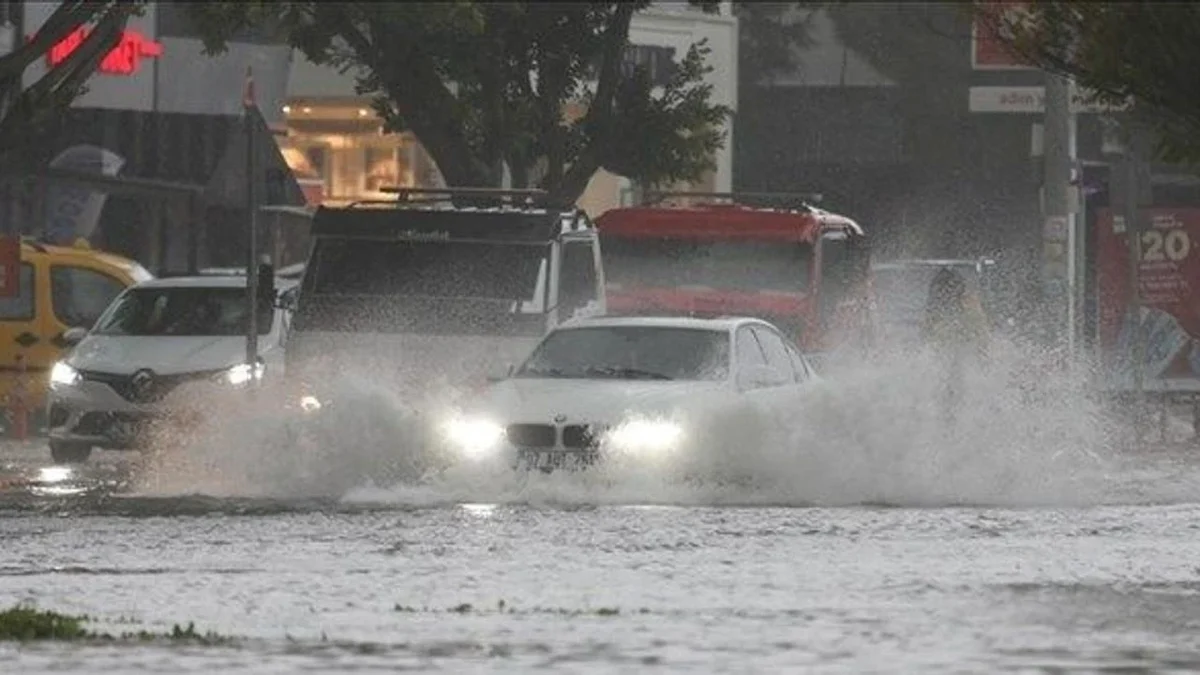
(580, 419)
(100, 390)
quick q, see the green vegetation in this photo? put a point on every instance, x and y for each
(485, 85)
(24, 623)
(1146, 52)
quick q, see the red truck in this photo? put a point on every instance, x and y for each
(805, 269)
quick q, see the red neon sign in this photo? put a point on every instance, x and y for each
(124, 59)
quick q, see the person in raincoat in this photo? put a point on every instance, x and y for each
(956, 329)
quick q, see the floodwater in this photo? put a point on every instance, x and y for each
(869, 546)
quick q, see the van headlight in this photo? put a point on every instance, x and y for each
(473, 436)
(646, 436)
(243, 373)
(62, 375)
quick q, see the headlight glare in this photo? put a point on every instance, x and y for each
(476, 437)
(63, 375)
(243, 373)
(646, 435)
(310, 403)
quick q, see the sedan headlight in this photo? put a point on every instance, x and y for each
(646, 435)
(62, 375)
(475, 437)
(243, 373)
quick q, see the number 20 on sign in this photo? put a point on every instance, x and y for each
(1166, 245)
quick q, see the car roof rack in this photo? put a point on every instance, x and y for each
(785, 200)
(468, 197)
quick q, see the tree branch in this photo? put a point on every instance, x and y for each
(598, 118)
(66, 18)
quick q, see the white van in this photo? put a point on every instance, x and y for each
(417, 296)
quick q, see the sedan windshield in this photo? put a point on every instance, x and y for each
(632, 353)
(191, 311)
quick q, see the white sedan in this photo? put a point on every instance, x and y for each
(641, 386)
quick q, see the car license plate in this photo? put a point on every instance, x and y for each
(547, 460)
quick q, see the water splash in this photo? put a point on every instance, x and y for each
(870, 433)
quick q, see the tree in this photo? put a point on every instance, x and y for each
(485, 84)
(26, 110)
(1144, 52)
(770, 36)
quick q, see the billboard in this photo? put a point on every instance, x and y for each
(988, 52)
(1168, 323)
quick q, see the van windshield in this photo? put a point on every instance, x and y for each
(425, 287)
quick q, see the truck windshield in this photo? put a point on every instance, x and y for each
(182, 311)
(424, 287)
(722, 265)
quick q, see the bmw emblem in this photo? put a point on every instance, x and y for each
(560, 418)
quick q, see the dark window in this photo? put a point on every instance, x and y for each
(183, 311)
(456, 288)
(20, 306)
(80, 295)
(631, 352)
(749, 353)
(775, 351)
(658, 62)
(720, 265)
(577, 281)
(427, 269)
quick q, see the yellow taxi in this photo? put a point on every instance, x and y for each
(59, 288)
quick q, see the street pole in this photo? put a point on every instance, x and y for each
(1057, 260)
(1138, 197)
(248, 110)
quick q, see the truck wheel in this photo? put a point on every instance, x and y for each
(68, 452)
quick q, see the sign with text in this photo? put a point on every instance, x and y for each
(124, 59)
(1030, 100)
(988, 52)
(1168, 323)
(10, 266)
(125, 79)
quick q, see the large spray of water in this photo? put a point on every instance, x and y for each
(869, 432)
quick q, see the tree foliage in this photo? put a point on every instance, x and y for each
(486, 84)
(1146, 53)
(27, 108)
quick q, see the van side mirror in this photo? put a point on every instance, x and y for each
(266, 283)
(500, 372)
(73, 336)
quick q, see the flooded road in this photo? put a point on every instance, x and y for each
(386, 581)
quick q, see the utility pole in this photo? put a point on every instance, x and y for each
(1057, 230)
(248, 117)
(1139, 196)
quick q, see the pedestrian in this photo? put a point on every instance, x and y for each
(955, 329)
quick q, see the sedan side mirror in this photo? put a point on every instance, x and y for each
(73, 336)
(760, 377)
(500, 372)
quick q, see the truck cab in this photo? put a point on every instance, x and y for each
(438, 289)
(710, 254)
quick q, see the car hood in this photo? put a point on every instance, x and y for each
(589, 401)
(165, 355)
